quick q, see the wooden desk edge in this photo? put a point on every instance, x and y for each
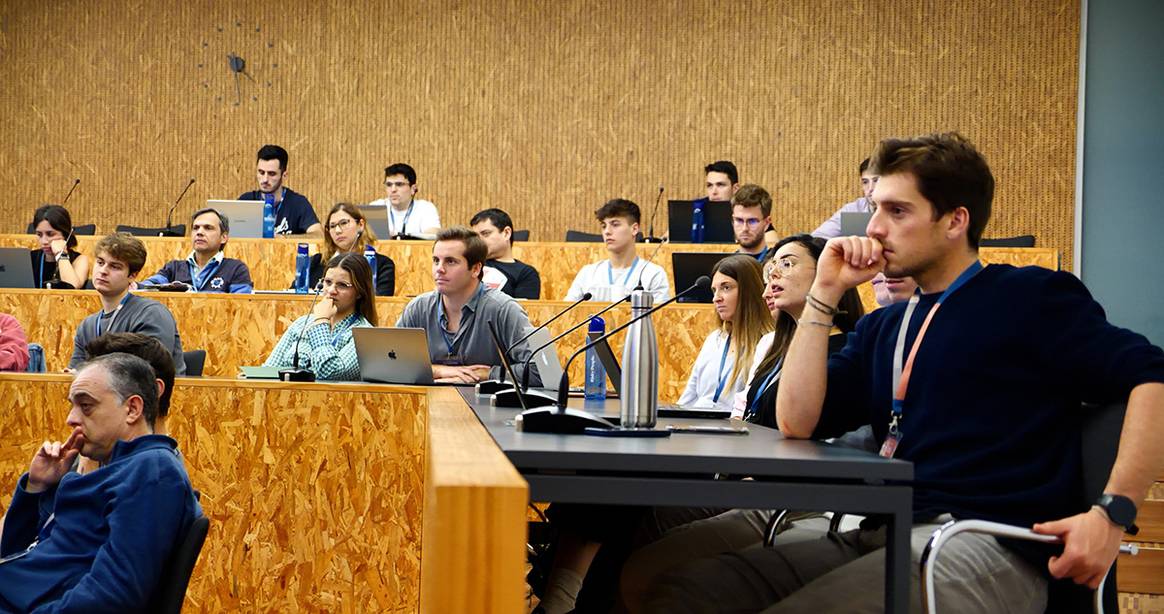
(473, 536)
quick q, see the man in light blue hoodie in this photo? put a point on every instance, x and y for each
(98, 541)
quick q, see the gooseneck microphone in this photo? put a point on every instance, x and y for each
(74, 187)
(494, 386)
(168, 230)
(651, 238)
(525, 373)
(295, 374)
(704, 282)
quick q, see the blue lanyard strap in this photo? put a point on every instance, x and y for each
(720, 374)
(41, 279)
(902, 373)
(112, 316)
(625, 278)
(407, 214)
(773, 376)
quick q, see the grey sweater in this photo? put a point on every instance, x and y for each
(135, 315)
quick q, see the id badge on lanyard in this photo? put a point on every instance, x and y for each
(901, 373)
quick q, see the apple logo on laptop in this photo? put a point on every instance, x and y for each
(392, 354)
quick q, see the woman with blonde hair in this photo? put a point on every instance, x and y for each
(346, 230)
(721, 368)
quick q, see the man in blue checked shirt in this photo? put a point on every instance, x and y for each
(206, 269)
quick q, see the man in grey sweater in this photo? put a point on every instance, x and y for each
(120, 257)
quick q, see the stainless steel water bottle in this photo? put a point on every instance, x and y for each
(639, 394)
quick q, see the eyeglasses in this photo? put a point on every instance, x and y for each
(780, 268)
(750, 222)
(396, 184)
(339, 285)
(340, 224)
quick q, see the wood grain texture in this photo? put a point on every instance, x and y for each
(1144, 572)
(541, 109)
(473, 559)
(314, 491)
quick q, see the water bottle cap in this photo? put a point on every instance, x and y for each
(369, 250)
(641, 299)
(597, 325)
(302, 248)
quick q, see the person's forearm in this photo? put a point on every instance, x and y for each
(804, 375)
(1141, 457)
(68, 274)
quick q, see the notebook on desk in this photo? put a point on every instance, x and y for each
(260, 372)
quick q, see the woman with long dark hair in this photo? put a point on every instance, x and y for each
(57, 263)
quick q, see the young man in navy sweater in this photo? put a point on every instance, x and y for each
(98, 541)
(983, 396)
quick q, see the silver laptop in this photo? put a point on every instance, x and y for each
(377, 218)
(855, 222)
(393, 355)
(15, 268)
(547, 361)
(246, 216)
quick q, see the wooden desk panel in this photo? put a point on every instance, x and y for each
(314, 491)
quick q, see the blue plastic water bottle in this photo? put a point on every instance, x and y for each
(268, 215)
(302, 269)
(370, 256)
(595, 387)
(697, 220)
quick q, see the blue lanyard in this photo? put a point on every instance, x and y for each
(341, 328)
(441, 318)
(112, 317)
(392, 214)
(722, 376)
(902, 381)
(41, 279)
(625, 278)
(773, 376)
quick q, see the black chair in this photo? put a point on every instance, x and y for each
(577, 236)
(195, 361)
(1019, 241)
(175, 578)
(521, 235)
(1100, 442)
(177, 230)
(87, 230)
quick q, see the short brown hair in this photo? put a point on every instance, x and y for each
(751, 195)
(950, 173)
(124, 247)
(619, 207)
(475, 249)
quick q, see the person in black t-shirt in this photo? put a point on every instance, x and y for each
(502, 271)
(293, 212)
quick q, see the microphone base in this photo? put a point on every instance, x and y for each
(296, 375)
(559, 421)
(652, 239)
(492, 386)
(510, 398)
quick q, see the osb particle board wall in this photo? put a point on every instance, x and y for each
(543, 108)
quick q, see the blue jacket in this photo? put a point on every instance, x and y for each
(111, 533)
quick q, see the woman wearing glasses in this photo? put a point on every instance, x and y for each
(324, 337)
(347, 232)
(721, 367)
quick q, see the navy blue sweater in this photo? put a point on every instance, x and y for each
(231, 276)
(112, 533)
(992, 417)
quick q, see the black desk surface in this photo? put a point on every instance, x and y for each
(762, 452)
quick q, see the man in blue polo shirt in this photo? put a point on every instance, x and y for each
(206, 269)
(293, 212)
(984, 396)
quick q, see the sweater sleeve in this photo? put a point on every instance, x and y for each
(241, 282)
(79, 341)
(13, 345)
(530, 284)
(846, 397)
(385, 276)
(128, 565)
(164, 275)
(23, 520)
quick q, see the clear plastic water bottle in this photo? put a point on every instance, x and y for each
(697, 220)
(302, 269)
(370, 256)
(595, 386)
(268, 215)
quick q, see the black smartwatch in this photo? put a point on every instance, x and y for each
(1120, 510)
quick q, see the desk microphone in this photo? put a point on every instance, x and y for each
(494, 386)
(651, 238)
(168, 230)
(295, 374)
(525, 374)
(75, 182)
(650, 260)
(564, 420)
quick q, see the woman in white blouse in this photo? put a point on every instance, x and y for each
(721, 368)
